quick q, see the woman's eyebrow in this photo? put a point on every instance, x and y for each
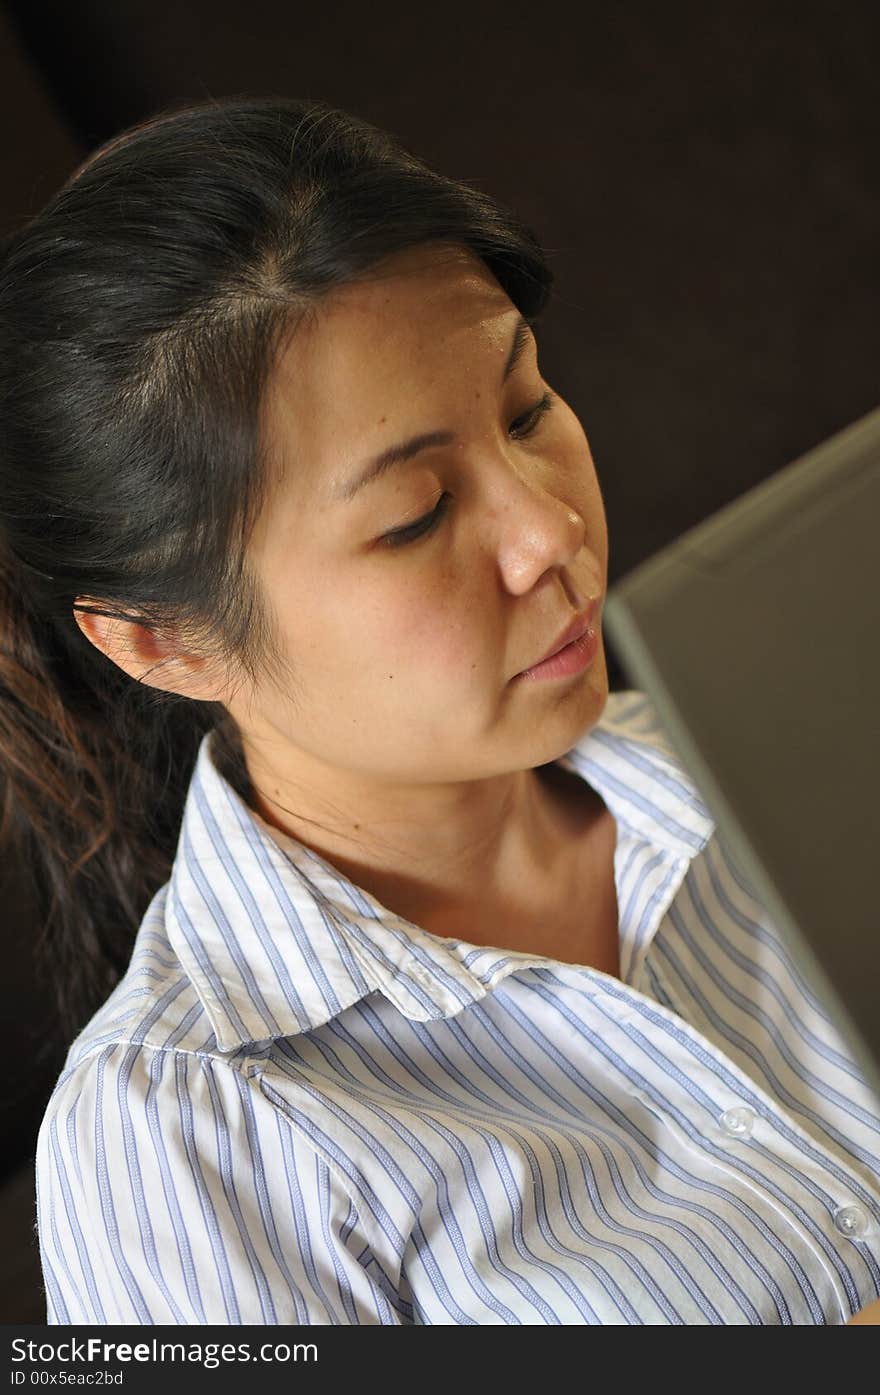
(405, 450)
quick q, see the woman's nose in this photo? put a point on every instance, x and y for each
(537, 531)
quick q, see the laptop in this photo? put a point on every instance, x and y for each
(756, 634)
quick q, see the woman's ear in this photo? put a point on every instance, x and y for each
(145, 654)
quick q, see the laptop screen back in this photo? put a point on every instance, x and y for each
(756, 635)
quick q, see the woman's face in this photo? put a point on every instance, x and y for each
(403, 652)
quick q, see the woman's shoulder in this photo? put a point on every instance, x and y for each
(154, 1004)
(163, 1175)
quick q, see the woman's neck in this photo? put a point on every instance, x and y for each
(495, 853)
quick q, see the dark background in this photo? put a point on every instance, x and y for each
(704, 177)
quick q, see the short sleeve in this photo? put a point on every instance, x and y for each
(169, 1190)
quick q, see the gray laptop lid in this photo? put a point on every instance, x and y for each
(756, 636)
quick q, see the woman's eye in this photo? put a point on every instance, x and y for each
(523, 427)
(529, 422)
(398, 536)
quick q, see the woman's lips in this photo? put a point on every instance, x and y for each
(574, 657)
(573, 631)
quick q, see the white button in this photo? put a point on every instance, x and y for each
(852, 1222)
(420, 975)
(738, 1122)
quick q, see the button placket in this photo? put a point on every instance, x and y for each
(850, 1219)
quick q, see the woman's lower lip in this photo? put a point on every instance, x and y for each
(574, 658)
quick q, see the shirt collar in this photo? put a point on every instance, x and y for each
(276, 941)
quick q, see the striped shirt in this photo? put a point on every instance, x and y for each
(300, 1107)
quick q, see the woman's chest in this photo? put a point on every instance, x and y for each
(567, 912)
(543, 1157)
(561, 903)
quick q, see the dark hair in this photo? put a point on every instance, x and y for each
(140, 313)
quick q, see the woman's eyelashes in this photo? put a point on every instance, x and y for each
(398, 536)
(524, 427)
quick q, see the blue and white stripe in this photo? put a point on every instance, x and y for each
(299, 1107)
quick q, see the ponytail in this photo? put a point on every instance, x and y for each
(93, 786)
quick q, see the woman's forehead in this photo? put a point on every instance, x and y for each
(371, 361)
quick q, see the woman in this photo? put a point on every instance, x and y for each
(410, 980)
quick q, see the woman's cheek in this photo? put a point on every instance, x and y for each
(431, 641)
(460, 657)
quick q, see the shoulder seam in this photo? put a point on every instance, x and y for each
(248, 1065)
